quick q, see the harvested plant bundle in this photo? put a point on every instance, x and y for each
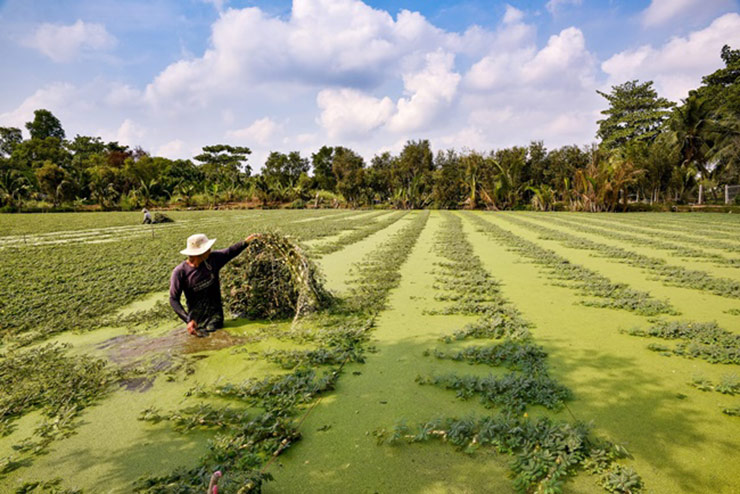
(162, 218)
(273, 279)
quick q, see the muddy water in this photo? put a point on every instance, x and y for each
(163, 353)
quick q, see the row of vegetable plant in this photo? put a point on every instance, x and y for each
(546, 452)
(263, 416)
(670, 275)
(599, 290)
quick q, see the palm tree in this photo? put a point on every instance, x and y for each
(692, 126)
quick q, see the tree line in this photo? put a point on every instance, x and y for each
(649, 150)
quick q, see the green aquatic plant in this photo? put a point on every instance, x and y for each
(545, 452)
(55, 383)
(273, 279)
(598, 289)
(703, 340)
(245, 443)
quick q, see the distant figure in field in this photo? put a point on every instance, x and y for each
(198, 278)
(147, 216)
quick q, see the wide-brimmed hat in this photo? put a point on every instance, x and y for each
(198, 244)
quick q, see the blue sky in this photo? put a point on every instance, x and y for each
(174, 75)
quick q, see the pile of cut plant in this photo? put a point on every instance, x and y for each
(273, 279)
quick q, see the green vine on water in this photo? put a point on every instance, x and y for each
(702, 340)
(246, 443)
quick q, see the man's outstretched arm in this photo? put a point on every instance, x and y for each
(225, 255)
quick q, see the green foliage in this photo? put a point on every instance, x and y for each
(245, 444)
(635, 113)
(587, 282)
(706, 341)
(669, 274)
(729, 384)
(273, 278)
(45, 487)
(349, 169)
(545, 452)
(222, 163)
(284, 169)
(357, 234)
(511, 392)
(44, 125)
(47, 379)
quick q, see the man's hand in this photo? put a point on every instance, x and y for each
(252, 237)
(193, 328)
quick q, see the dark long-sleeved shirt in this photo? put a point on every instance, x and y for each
(201, 285)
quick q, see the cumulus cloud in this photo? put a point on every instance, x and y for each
(64, 43)
(678, 65)
(351, 113)
(129, 133)
(54, 97)
(660, 12)
(431, 90)
(174, 149)
(512, 15)
(338, 43)
(261, 132)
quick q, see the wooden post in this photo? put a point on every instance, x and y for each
(701, 193)
(727, 194)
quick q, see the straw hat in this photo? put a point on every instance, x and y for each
(197, 244)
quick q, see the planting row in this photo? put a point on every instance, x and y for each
(599, 290)
(677, 250)
(546, 452)
(657, 229)
(264, 415)
(670, 275)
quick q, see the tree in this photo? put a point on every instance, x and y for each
(349, 170)
(635, 113)
(10, 137)
(284, 169)
(414, 172)
(224, 163)
(44, 125)
(50, 177)
(692, 126)
(448, 189)
(378, 176)
(322, 172)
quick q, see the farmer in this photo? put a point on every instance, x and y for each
(198, 278)
(147, 216)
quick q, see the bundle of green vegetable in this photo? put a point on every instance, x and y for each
(273, 279)
(162, 218)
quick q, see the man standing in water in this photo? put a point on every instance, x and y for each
(198, 278)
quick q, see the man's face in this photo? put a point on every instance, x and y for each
(207, 253)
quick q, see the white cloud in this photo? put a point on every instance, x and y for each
(351, 113)
(261, 132)
(123, 95)
(430, 90)
(129, 133)
(553, 6)
(337, 43)
(54, 98)
(563, 59)
(512, 15)
(679, 64)
(660, 12)
(64, 43)
(174, 149)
